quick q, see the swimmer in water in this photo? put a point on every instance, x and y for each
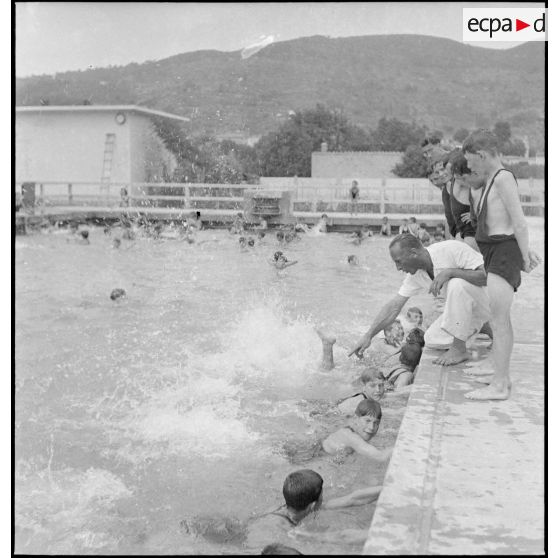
(303, 494)
(280, 237)
(116, 242)
(117, 294)
(280, 261)
(352, 260)
(242, 243)
(82, 238)
(355, 437)
(251, 242)
(403, 374)
(394, 333)
(372, 388)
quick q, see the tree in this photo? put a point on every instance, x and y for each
(394, 135)
(514, 147)
(460, 135)
(413, 164)
(503, 132)
(288, 151)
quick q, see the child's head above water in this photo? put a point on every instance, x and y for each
(280, 235)
(261, 235)
(302, 488)
(84, 234)
(394, 333)
(414, 315)
(371, 412)
(352, 260)
(410, 355)
(251, 242)
(415, 336)
(373, 384)
(242, 241)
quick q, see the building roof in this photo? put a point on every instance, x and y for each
(100, 108)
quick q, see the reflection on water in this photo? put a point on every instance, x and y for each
(175, 401)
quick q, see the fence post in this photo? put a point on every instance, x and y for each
(70, 195)
(186, 196)
(383, 196)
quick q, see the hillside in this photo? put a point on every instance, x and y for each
(438, 82)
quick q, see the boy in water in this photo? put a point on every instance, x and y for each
(385, 229)
(352, 260)
(414, 316)
(502, 236)
(404, 227)
(372, 388)
(280, 261)
(355, 438)
(403, 374)
(303, 493)
(83, 238)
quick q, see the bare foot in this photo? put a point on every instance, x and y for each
(478, 371)
(487, 380)
(327, 349)
(490, 392)
(452, 356)
(325, 337)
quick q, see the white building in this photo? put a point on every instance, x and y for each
(89, 143)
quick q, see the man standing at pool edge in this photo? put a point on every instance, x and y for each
(449, 268)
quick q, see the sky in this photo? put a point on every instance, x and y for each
(54, 37)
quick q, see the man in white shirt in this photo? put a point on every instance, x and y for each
(450, 270)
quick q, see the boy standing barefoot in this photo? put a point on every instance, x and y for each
(503, 239)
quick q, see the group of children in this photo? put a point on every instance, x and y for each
(419, 230)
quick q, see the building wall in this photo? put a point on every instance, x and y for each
(357, 164)
(69, 146)
(151, 159)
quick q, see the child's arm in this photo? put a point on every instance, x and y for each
(368, 450)
(357, 498)
(287, 264)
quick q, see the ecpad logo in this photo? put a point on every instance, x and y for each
(504, 24)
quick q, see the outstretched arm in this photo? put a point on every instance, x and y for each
(368, 450)
(385, 316)
(359, 497)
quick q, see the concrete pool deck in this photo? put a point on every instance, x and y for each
(466, 477)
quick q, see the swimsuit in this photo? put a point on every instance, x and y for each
(501, 252)
(446, 200)
(393, 374)
(285, 516)
(457, 209)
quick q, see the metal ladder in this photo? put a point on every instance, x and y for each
(110, 140)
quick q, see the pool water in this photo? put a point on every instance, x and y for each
(177, 401)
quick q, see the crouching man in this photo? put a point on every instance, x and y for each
(450, 270)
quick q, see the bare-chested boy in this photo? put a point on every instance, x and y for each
(503, 239)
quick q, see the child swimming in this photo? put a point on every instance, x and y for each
(280, 261)
(372, 388)
(403, 374)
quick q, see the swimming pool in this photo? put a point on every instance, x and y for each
(176, 401)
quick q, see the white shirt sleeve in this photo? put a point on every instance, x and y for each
(410, 287)
(466, 257)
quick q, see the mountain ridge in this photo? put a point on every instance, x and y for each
(437, 82)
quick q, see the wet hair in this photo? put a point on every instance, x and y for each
(301, 488)
(416, 337)
(406, 241)
(370, 408)
(481, 140)
(351, 258)
(241, 240)
(277, 255)
(277, 549)
(280, 235)
(261, 234)
(369, 376)
(410, 354)
(84, 234)
(117, 293)
(250, 242)
(458, 164)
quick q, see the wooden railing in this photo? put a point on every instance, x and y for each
(381, 197)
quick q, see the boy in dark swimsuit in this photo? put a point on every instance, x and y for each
(503, 239)
(303, 493)
(372, 388)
